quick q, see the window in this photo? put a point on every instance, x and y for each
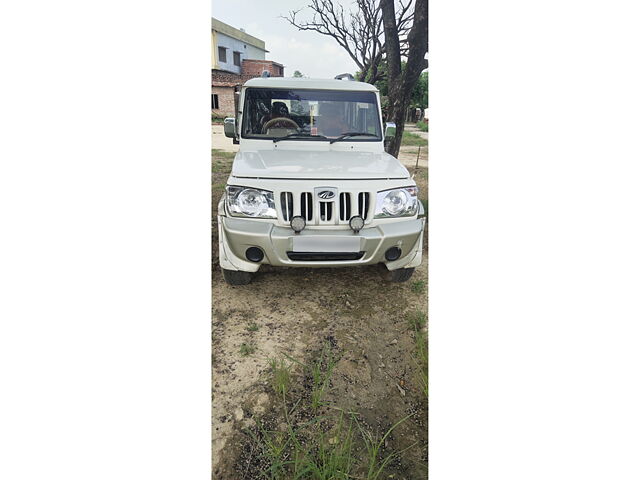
(273, 113)
(214, 102)
(236, 58)
(222, 54)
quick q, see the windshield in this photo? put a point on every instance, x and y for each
(310, 114)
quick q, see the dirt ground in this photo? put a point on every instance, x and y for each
(298, 312)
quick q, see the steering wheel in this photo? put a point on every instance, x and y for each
(273, 121)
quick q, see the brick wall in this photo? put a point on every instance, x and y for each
(222, 82)
(256, 67)
(228, 79)
(225, 101)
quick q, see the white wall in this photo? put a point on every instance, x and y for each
(246, 50)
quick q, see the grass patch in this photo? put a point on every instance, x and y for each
(422, 125)
(425, 205)
(252, 327)
(422, 362)
(216, 152)
(299, 441)
(417, 319)
(373, 444)
(413, 140)
(247, 349)
(321, 373)
(419, 286)
(280, 375)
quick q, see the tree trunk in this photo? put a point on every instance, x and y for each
(401, 83)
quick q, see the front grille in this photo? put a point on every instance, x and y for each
(324, 257)
(338, 210)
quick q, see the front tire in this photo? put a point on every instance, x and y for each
(401, 274)
(233, 277)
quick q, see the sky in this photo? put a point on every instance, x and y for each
(312, 54)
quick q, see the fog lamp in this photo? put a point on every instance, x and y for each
(298, 223)
(254, 254)
(392, 254)
(356, 223)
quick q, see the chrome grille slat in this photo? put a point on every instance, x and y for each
(306, 205)
(286, 203)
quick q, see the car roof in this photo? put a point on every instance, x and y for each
(309, 83)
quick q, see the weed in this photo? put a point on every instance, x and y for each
(320, 374)
(417, 319)
(247, 349)
(422, 125)
(411, 139)
(376, 463)
(324, 447)
(252, 327)
(281, 375)
(216, 152)
(419, 286)
(273, 445)
(332, 456)
(422, 362)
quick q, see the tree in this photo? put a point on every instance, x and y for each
(359, 32)
(298, 74)
(420, 92)
(402, 81)
(377, 36)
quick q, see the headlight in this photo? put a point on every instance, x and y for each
(399, 202)
(250, 202)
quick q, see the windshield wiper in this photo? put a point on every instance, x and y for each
(299, 135)
(353, 134)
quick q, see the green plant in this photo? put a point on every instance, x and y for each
(272, 447)
(280, 375)
(417, 319)
(422, 362)
(413, 140)
(376, 462)
(216, 152)
(320, 374)
(252, 327)
(423, 125)
(419, 286)
(247, 349)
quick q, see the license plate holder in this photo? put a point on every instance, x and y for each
(326, 244)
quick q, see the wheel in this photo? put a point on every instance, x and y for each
(402, 274)
(233, 277)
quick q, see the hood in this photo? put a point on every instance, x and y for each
(301, 164)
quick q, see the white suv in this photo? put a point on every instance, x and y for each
(312, 186)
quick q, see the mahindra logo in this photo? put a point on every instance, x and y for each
(326, 194)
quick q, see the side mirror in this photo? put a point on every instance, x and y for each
(230, 127)
(389, 130)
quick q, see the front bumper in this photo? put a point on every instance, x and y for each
(238, 234)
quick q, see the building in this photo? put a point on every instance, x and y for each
(236, 57)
